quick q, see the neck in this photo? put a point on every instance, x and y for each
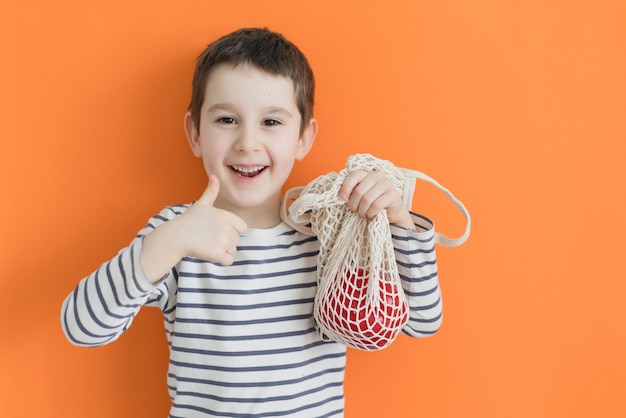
(259, 217)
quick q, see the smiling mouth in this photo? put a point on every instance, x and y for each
(248, 171)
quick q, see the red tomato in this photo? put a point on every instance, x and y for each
(365, 326)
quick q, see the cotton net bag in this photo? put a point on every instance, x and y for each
(360, 301)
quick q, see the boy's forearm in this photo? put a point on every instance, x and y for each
(103, 304)
(161, 251)
(417, 265)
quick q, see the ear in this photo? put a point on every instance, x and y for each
(305, 143)
(193, 137)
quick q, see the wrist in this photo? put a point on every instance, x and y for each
(162, 249)
(404, 220)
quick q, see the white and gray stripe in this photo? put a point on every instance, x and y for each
(242, 337)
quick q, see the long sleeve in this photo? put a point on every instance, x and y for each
(417, 267)
(103, 304)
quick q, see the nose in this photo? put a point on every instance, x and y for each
(247, 141)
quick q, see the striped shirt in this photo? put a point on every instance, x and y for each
(242, 337)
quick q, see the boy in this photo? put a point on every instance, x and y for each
(235, 284)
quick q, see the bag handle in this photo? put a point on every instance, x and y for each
(410, 179)
(291, 196)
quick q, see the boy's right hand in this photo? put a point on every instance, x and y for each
(202, 231)
(210, 233)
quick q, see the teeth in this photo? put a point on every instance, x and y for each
(248, 169)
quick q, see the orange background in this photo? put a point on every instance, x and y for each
(517, 106)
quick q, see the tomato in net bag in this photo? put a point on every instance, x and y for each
(360, 301)
(370, 327)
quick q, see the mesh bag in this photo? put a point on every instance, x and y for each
(360, 301)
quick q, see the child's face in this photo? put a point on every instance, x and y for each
(249, 137)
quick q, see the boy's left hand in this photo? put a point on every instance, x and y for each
(369, 192)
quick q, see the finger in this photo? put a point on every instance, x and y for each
(239, 224)
(228, 249)
(225, 259)
(364, 193)
(371, 202)
(371, 195)
(210, 193)
(377, 206)
(231, 248)
(350, 182)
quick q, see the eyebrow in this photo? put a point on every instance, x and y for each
(221, 106)
(279, 110)
(230, 108)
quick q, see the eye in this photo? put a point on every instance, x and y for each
(226, 120)
(271, 122)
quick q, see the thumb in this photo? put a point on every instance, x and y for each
(210, 193)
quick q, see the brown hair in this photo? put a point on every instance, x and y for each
(263, 49)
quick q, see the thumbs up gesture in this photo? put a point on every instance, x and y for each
(202, 231)
(210, 233)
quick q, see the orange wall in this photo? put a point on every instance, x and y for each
(517, 106)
